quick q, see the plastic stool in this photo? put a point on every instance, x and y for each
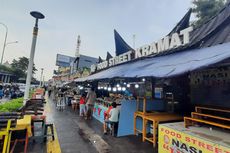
(113, 128)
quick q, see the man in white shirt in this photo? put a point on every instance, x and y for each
(113, 117)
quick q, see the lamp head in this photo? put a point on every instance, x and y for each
(37, 15)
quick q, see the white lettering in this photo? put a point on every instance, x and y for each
(110, 61)
(129, 55)
(138, 53)
(93, 68)
(153, 48)
(163, 44)
(175, 41)
(145, 50)
(185, 34)
(102, 65)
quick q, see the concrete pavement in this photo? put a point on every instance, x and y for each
(77, 135)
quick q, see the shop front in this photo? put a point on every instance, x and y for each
(160, 85)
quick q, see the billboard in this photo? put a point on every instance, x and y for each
(63, 60)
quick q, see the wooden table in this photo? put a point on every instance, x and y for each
(141, 115)
(156, 119)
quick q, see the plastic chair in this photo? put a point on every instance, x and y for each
(60, 104)
(6, 134)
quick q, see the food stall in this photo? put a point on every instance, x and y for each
(178, 73)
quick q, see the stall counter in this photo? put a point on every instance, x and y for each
(98, 112)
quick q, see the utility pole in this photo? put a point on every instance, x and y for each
(41, 77)
(77, 54)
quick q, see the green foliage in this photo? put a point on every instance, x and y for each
(19, 67)
(206, 9)
(12, 105)
(22, 64)
(5, 69)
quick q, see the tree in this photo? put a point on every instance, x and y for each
(19, 67)
(22, 64)
(206, 9)
(4, 68)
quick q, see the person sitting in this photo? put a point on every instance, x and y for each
(82, 105)
(112, 118)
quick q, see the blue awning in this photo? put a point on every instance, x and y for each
(166, 66)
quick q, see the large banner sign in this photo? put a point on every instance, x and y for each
(173, 141)
(63, 60)
(169, 42)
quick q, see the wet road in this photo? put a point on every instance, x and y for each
(77, 135)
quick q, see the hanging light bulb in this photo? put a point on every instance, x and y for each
(143, 79)
(98, 87)
(119, 88)
(105, 88)
(128, 85)
(114, 89)
(123, 89)
(125, 83)
(109, 88)
(118, 85)
(136, 85)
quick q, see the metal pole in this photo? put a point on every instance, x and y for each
(41, 77)
(43, 81)
(134, 38)
(4, 45)
(31, 62)
(36, 15)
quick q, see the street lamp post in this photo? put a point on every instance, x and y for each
(41, 77)
(4, 45)
(36, 15)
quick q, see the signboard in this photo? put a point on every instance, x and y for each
(169, 42)
(173, 141)
(63, 60)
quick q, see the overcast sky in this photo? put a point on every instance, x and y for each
(93, 20)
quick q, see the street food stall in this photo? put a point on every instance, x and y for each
(188, 68)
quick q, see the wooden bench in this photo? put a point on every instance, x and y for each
(211, 116)
(200, 109)
(201, 116)
(190, 121)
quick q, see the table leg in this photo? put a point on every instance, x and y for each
(5, 144)
(26, 142)
(144, 129)
(134, 125)
(9, 141)
(154, 133)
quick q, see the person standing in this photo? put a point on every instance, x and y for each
(82, 105)
(90, 101)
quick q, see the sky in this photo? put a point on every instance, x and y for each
(93, 20)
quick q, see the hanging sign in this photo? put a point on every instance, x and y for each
(169, 42)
